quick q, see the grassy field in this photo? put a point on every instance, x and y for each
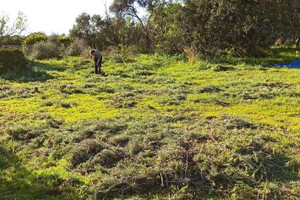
(155, 127)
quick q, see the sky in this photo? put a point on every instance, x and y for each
(52, 16)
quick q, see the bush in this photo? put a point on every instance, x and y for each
(66, 41)
(60, 40)
(45, 50)
(13, 40)
(78, 48)
(34, 38)
(241, 28)
(191, 54)
(12, 60)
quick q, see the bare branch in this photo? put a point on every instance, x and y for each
(14, 29)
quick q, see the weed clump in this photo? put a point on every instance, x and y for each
(221, 68)
(86, 150)
(254, 91)
(23, 132)
(71, 89)
(209, 89)
(15, 92)
(231, 123)
(107, 157)
(124, 100)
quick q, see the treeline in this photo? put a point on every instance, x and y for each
(206, 28)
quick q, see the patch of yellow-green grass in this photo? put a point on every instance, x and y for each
(280, 112)
(76, 133)
(79, 106)
(85, 107)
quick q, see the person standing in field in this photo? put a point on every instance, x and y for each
(97, 57)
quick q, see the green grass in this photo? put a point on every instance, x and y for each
(156, 127)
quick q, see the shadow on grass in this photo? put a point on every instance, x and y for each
(276, 55)
(35, 72)
(17, 182)
(48, 67)
(28, 75)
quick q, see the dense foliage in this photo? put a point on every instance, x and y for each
(78, 47)
(216, 27)
(103, 33)
(212, 28)
(12, 60)
(46, 50)
(13, 40)
(34, 38)
(128, 8)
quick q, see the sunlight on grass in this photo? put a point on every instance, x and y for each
(154, 120)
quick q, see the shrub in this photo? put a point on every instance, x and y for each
(66, 41)
(78, 48)
(60, 40)
(191, 54)
(12, 60)
(34, 38)
(46, 50)
(216, 28)
(13, 40)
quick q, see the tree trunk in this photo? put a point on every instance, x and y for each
(298, 42)
(148, 42)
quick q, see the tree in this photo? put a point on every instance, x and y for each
(167, 27)
(119, 31)
(87, 27)
(217, 27)
(130, 8)
(242, 27)
(102, 33)
(16, 28)
(295, 19)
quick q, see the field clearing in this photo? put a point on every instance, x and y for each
(154, 128)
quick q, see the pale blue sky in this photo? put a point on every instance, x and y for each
(52, 16)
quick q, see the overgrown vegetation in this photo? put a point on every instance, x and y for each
(45, 50)
(12, 60)
(210, 28)
(157, 127)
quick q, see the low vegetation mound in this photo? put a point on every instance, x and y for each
(12, 60)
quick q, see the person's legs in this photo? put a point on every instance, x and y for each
(100, 65)
(96, 66)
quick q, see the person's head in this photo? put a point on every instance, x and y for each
(93, 52)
